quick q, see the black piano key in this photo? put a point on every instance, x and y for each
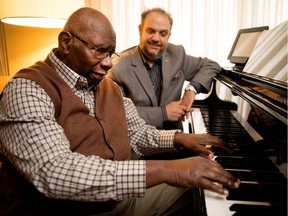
(248, 209)
(243, 176)
(232, 162)
(221, 152)
(262, 164)
(229, 159)
(270, 177)
(247, 192)
(235, 166)
(252, 153)
(260, 177)
(259, 164)
(277, 194)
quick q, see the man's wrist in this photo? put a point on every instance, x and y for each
(189, 87)
(177, 145)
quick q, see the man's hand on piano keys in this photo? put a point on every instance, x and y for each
(198, 143)
(191, 172)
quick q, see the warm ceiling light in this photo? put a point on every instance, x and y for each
(41, 22)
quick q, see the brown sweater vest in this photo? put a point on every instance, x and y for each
(106, 135)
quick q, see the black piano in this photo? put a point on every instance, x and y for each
(258, 138)
(259, 145)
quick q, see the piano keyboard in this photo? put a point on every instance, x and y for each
(263, 188)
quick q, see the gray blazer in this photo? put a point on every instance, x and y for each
(131, 75)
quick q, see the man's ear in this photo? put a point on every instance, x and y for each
(140, 29)
(64, 39)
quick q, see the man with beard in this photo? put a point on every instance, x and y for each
(152, 74)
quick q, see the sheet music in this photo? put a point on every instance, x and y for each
(269, 57)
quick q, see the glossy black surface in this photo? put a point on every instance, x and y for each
(250, 160)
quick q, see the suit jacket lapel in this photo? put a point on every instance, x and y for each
(166, 77)
(142, 75)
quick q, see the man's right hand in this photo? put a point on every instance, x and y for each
(190, 172)
(176, 111)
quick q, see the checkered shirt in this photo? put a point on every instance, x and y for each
(37, 146)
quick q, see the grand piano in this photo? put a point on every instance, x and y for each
(259, 143)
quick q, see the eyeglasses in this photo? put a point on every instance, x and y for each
(98, 52)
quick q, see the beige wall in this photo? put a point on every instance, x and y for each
(43, 8)
(26, 45)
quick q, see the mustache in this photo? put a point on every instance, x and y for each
(99, 73)
(152, 42)
(95, 76)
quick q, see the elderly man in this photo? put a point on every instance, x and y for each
(66, 135)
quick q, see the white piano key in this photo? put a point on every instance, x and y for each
(196, 121)
(186, 126)
(218, 205)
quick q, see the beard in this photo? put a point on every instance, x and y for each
(152, 56)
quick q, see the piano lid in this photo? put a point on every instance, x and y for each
(266, 94)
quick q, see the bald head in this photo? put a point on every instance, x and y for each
(89, 21)
(86, 44)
